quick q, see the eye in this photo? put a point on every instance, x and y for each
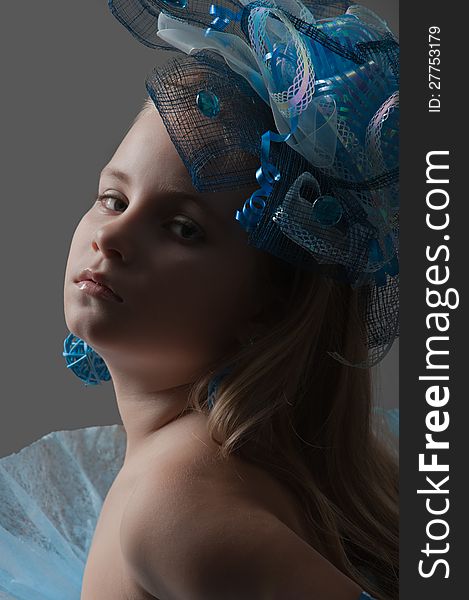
(186, 226)
(102, 199)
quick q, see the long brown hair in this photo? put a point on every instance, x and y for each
(309, 422)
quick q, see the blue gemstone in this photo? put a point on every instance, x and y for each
(208, 103)
(176, 3)
(327, 210)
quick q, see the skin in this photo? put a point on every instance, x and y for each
(193, 289)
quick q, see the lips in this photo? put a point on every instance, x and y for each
(100, 278)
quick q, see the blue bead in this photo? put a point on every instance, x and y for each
(208, 103)
(327, 210)
(176, 3)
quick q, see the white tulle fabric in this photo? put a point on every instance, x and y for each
(51, 494)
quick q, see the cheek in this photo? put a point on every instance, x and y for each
(83, 232)
(204, 296)
(78, 243)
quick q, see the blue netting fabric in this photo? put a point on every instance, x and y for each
(301, 98)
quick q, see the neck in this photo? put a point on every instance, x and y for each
(146, 408)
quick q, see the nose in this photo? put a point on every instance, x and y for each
(114, 240)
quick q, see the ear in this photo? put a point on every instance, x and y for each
(270, 305)
(262, 321)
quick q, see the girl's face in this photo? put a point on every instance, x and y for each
(179, 260)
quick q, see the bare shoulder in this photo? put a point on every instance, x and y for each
(186, 462)
(185, 487)
(193, 528)
(187, 458)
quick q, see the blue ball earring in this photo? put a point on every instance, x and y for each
(84, 361)
(213, 386)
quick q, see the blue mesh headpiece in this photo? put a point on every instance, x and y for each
(311, 91)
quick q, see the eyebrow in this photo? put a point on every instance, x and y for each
(111, 172)
(171, 193)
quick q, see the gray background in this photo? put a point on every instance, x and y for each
(73, 80)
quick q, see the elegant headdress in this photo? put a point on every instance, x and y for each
(311, 90)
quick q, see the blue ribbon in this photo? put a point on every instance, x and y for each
(222, 19)
(274, 56)
(266, 175)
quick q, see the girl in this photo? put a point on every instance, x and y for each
(294, 496)
(236, 285)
